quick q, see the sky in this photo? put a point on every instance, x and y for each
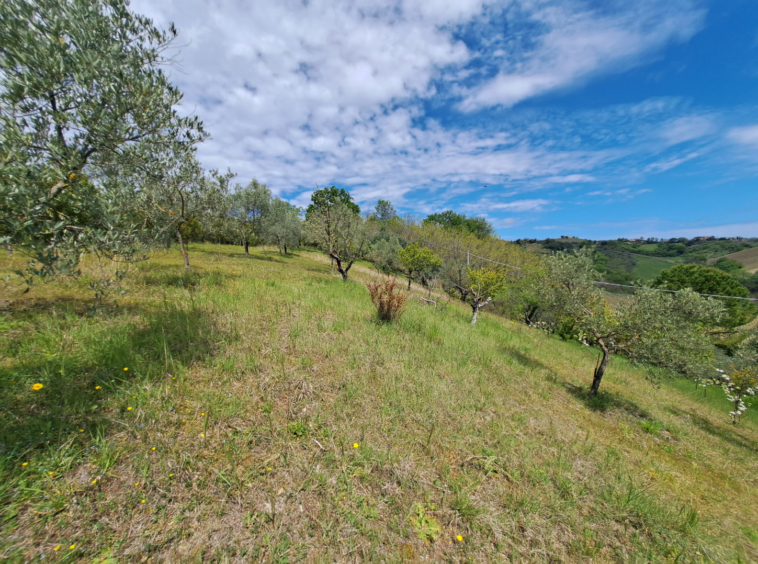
(597, 118)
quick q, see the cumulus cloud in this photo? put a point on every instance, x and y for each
(306, 93)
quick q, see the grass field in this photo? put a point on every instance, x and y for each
(257, 411)
(648, 268)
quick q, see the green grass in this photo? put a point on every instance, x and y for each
(274, 419)
(647, 268)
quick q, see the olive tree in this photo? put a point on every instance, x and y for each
(483, 284)
(651, 327)
(181, 194)
(282, 225)
(416, 258)
(341, 233)
(248, 207)
(83, 99)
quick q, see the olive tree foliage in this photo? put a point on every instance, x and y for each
(416, 258)
(282, 225)
(180, 194)
(650, 327)
(706, 280)
(339, 231)
(384, 252)
(83, 104)
(248, 207)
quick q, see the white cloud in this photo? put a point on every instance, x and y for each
(580, 42)
(299, 93)
(747, 135)
(687, 128)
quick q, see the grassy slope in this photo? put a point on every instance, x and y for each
(648, 268)
(272, 418)
(748, 258)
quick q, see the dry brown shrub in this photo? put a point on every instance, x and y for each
(388, 299)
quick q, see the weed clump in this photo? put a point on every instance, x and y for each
(388, 299)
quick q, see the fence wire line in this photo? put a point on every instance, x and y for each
(470, 254)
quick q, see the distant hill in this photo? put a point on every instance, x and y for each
(748, 258)
(624, 261)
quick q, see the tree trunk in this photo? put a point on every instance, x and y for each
(600, 370)
(342, 271)
(184, 251)
(9, 246)
(285, 249)
(476, 314)
(246, 244)
(331, 268)
(409, 281)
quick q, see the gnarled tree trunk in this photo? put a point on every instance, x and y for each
(600, 369)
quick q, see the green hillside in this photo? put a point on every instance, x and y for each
(647, 268)
(256, 410)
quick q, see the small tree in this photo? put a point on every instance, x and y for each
(740, 380)
(282, 225)
(340, 232)
(384, 253)
(249, 206)
(179, 196)
(483, 284)
(416, 258)
(650, 327)
(385, 211)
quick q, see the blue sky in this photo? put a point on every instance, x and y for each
(601, 119)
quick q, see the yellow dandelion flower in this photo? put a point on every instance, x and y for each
(72, 175)
(184, 420)
(72, 547)
(125, 369)
(94, 481)
(459, 538)
(143, 501)
(137, 484)
(170, 475)
(50, 473)
(202, 414)
(98, 387)
(128, 408)
(57, 547)
(356, 445)
(25, 464)
(153, 448)
(37, 386)
(81, 430)
(202, 434)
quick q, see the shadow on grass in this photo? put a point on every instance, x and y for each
(84, 356)
(530, 363)
(606, 401)
(730, 435)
